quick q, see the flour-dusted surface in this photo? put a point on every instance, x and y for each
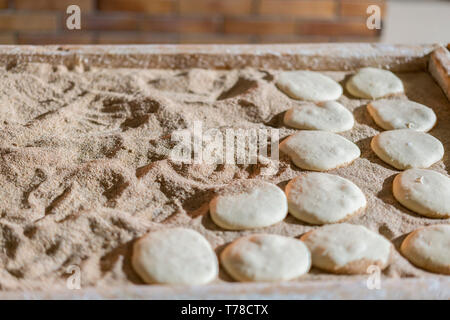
(84, 167)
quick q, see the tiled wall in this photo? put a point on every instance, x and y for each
(187, 21)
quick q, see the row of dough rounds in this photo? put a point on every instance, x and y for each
(404, 149)
(322, 198)
(315, 198)
(404, 146)
(368, 83)
(321, 151)
(181, 256)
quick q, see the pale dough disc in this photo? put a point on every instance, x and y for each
(373, 83)
(347, 249)
(320, 198)
(429, 248)
(423, 191)
(308, 85)
(319, 150)
(392, 114)
(406, 148)
(260, 206)
(266, 257)
(175, 256)
(329, 116)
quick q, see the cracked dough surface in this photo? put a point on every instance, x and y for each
(266, 257)
(373, 83)
(392, 114)
(177, 256)
(320, 198)
(319, 150)
(257, 206)
(406, 148)
(308, 85)
(328, 116)
(429, 248)
(426, 192)
(346, 248)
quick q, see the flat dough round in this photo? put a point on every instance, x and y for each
(392, 114)
(328, 116)
(406, 148)
(429, 248)
(266, 257)
(320, 198)
(308, 85)
(347, 249)
(373, 83)
(257, 206)
(319, 150)
(426, 192)
(175, 256)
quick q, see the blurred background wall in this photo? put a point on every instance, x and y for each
(219, 21)
(417, 21)
(187, 21)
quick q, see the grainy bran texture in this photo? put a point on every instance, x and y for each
(85, 169)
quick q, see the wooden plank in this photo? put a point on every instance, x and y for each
(439, 67)
(334, 57)
(306, 56)
(437, 287)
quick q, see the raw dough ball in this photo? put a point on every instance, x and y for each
(266, 257)
(406, 148)
(423, 191)
(329, 116)
(392, 114)
(319, 150)
(308, 85)
(320, 198)
(258, 206)
(347, 249)
(372, 83)
(429, 248)
(175, 256)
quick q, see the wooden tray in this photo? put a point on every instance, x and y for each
(333, 57)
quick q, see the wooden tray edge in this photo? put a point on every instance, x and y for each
(439, 68)
(333, 57)
(437, 287)
(308, 56)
